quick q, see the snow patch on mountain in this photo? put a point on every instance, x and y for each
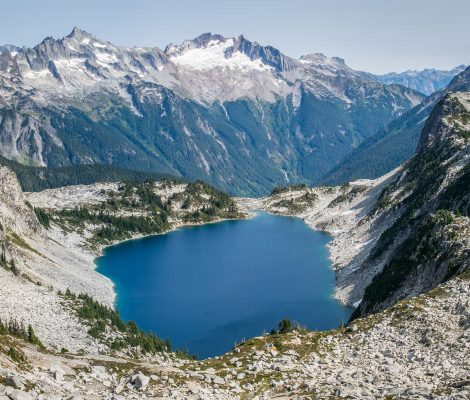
(214, 56)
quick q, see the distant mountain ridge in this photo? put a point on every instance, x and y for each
(426, 81)
(241, 116)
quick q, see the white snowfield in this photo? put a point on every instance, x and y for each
(213, 56)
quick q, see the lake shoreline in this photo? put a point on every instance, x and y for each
(254, 257)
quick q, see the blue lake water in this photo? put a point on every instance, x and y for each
(208, 287)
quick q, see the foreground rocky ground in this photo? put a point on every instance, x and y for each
(417, 349)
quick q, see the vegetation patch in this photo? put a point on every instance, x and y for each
(286, 189)
(106, 324)
(347, 194)
(138, 209)
(43, 217)
(298, 204)
(17, 329)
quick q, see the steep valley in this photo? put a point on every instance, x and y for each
(209, 105)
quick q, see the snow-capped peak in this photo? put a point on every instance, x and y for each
(214, 54)
(10, 48)
(208, 68)
(212, 50)
(198, 42)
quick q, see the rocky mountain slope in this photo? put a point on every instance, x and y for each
(230, 111)
(394, 144)
(429, 240)
(48, 242)
(427, 81)
(406, 233)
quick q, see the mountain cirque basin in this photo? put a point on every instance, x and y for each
(209, 287)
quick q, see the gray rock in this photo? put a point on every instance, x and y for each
(395, 391)
(118, 389)
(98, 369)
(248, 386)
(50, 396)
(197, 376)
(460, 384)
(140, 381)
(59, 374)
(345, 391)
(14, 381)
(20, 395)
(218, 380)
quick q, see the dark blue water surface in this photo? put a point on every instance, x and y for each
(207, 287)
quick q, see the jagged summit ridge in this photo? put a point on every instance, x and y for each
(268, 55)
(201, 69)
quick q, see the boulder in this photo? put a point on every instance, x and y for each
(196, 375)
(459, 384)
(20, 395)
(59, 374)
(14, 381)
(140, 381)
(50, 396)
(218, 380)
(98, 369)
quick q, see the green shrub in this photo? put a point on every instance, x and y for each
(444, 217)
(99, 317)
(15, 355)
(285, 326)
(14, 328)
(43, 217)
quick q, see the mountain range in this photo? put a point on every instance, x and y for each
(426, 81)
(241, 116)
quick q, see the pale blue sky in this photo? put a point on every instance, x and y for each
(372, 35)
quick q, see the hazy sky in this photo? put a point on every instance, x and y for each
(371, 35)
